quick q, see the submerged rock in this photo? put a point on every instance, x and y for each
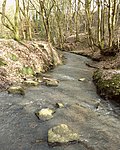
(16, 90)
(45, 114)
(59, 105)
(61, 134)
(51, 82)
(108, 83)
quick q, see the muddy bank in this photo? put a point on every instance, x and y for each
(24, 59)
(96, 121)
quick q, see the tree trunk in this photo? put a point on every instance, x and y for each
(103, 25)
(99, 23)
(45, 18)
(89, 20)
(114, 14)
(14, 27)
(76, 19)
(16, 20)
(110, 23)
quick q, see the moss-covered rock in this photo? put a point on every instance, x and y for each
(61, 134)
(108, 83)
(45, 114)
(16, 90)
(50, 82)
(30, 82)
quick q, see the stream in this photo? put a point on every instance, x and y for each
(97, 125)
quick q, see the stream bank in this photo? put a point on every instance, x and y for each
(95, 120)
(106, 62)
(21, 60)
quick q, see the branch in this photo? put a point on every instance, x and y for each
(35, 8)
(12, 28)
(50, 10)
(5, 24)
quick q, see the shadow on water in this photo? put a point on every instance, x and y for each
(98, 126)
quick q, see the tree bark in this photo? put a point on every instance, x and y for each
(110, 23)
(89, 21)
(99, 23)
(16, 21)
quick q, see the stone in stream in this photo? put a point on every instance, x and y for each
(81, 79)
(62, 134)
(41, 77)
(97, 104)
(59, 105)
(51, 82)
(31, 83)
(16, 90)
(45, 114)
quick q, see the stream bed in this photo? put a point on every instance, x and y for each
(95, 120)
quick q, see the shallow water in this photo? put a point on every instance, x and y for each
(99, 128)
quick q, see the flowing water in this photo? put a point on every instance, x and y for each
(98, 126)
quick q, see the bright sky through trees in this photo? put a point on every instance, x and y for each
(9, 2)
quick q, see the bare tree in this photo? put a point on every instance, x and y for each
(99, 22)
(25, 20)
(89, 21)
(14, 27)
(112, 13)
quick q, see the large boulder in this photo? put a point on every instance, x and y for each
(108, 83)
(61, 134)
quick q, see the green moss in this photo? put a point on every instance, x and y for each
(27, 71)
(2, 62)
(12, 56)
(110, 87)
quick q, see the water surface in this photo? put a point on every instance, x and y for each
(98, 128)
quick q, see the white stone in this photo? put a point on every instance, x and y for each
(81, 79)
